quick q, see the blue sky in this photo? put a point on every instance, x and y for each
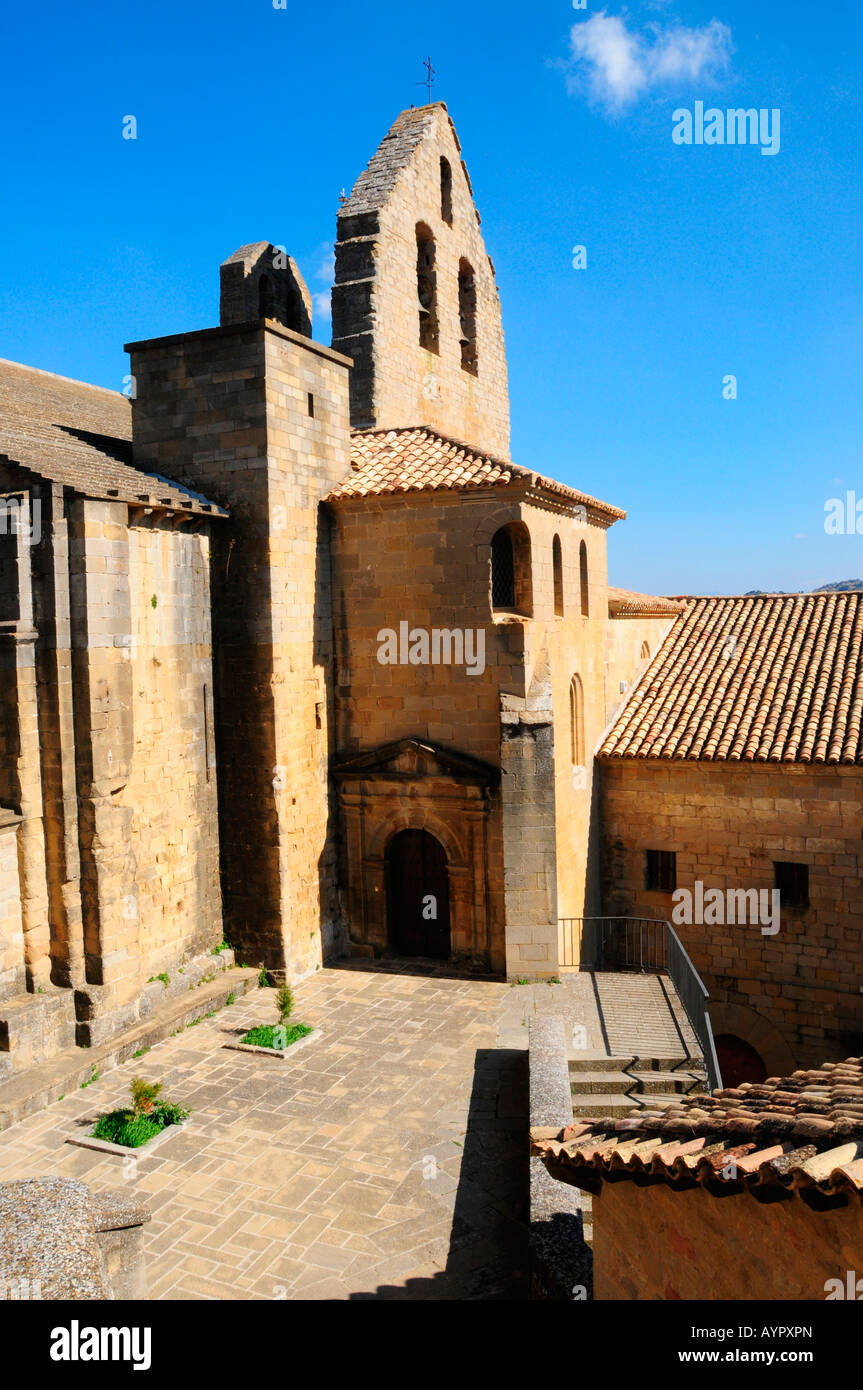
(702, 261)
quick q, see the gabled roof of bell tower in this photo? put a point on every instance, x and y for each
(415, 302)
(394, 153)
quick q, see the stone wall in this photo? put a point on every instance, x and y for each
(650, 1242)
(171, 790)
(256, 416)
(794, 996)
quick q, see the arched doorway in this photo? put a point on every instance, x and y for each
(738, 1060)
(418, 895)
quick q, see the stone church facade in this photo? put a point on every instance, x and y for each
(293, 654)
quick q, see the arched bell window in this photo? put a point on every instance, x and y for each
(446, 190)
(467, 318)
(266, 298)
(429, 332)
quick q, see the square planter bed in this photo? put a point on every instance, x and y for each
(268, 1030)
(105, 1146)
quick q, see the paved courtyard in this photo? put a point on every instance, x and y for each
(387, 1159)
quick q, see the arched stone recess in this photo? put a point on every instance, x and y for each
(413, 784)
(417, 818)
(492, 520)
(746, 1023)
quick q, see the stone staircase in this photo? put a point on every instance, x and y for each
(614, 1085)
(604, 1043)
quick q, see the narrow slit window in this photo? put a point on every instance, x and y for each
(576, 721)
(557, 568)
(582, 575)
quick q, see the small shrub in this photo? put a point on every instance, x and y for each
(285, 1002)
(264, 978)
(144, 1095)
(148, 1117)
(231, 999)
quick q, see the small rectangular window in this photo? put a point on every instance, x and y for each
(792, 880)
(311, 404)
(660, 870)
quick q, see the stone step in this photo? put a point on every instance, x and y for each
(35, 1028)
(593, 1061)
(640, 1083)
(33, 1090)
(596, 1105)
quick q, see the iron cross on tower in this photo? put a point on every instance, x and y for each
(429, 80)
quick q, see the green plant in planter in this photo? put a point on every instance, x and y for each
(279, 1035)
(147, 1117)
(276, 1035)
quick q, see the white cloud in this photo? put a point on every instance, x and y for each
(618, 64)
(322, 305)
(327, 268)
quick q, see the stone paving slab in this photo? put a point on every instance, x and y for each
(390, 1161)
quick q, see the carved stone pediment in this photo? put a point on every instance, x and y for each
(416, 759)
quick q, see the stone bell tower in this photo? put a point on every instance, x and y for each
(415, 302)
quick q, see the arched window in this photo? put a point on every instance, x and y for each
(511, 581)
(557, 567)
(446, 190)
(582, 574)
(467, 317)
(645, 652)
(429, 336)
(502, 570)
(266, 301)
(576, 721)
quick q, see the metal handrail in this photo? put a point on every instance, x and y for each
(646, 944)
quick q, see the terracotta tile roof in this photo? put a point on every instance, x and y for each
(419, 460)
(801, 1132)
(80, 436)
(766, 678)
(626, 603)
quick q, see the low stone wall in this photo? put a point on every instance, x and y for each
(561, 1260)
(60, 1241)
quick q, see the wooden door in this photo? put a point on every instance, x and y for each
(418, 900)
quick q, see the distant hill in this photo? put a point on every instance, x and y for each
(841, 586)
